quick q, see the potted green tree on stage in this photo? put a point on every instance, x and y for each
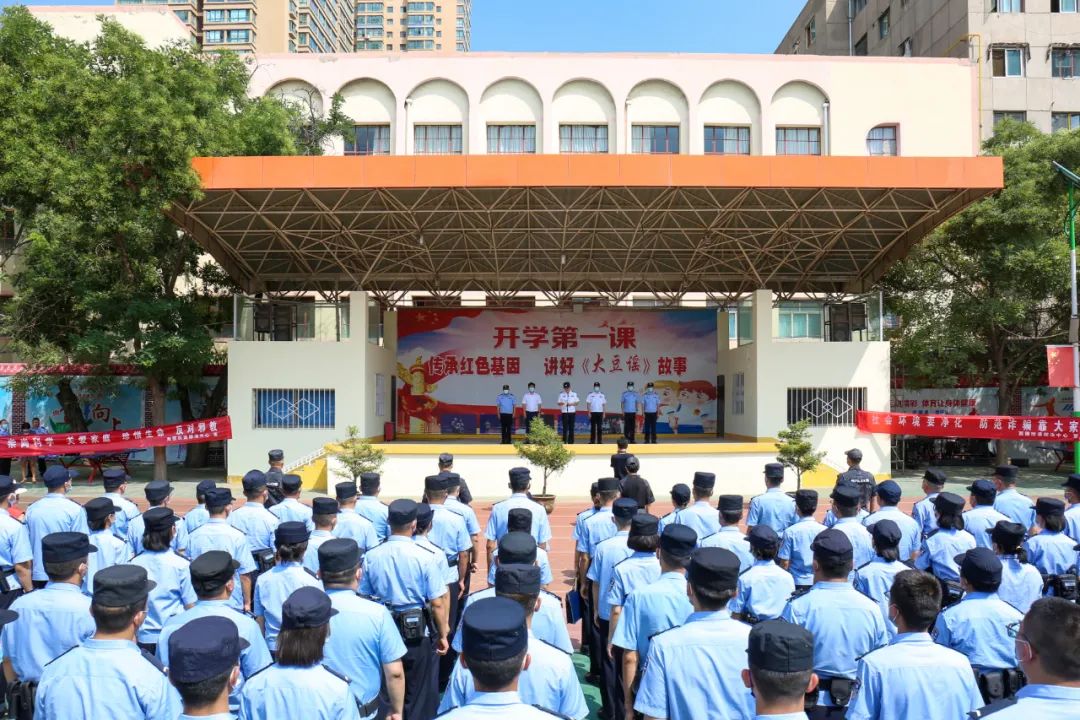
(544, 448)
(357, 455)
(795, 450)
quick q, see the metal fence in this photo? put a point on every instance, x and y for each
(825, 406)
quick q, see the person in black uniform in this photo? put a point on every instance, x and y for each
(274, 475)
(446, 465)
(860, 478)
(618, 460)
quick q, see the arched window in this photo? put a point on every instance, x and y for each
(881, 140)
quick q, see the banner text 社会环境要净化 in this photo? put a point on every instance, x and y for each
(991, 427)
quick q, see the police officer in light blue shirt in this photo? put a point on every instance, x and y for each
(701, 516)
(1021, 583)
(845, 506)
(449, 532)
(196, 516)
(519, 521)
(638, 570)
(650, 408)
(158, 494)
(941, 547)
(923, 512)
(274, 587)
(15, 552)
(115, 482)
(846, 624)
(56, 618)
(913, 677)
(364, 643)
(680, 498)
(795, 554)
(217, 534)
(54, 512)
(774, 508)
(1009, 501)
(111, 550)
(207, 659)
(695, 670)
(730, 536)
(629, 402)
(606, 555)
(876, 577)
(765, 588)
(520, 481)
(505, 403)
(252, 518)
(599, 526)
(369, 506)
(171, 573)
(291, 508)
(1051, 550)
(982, 516)
(1072, 515)
(888, 495)
(780, 676)
(212, 578)
(324, 517)
(298, 678)
(350, 523)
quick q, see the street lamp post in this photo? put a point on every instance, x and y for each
(1073, 181)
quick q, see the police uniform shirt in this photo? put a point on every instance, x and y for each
(505, 402)
(730, 537)
(548, 623)
(977, 627)
(257, 523)
(128, 511)
(608, 554)
(51, 621)
(846, 625)
(773, 508)
(913, 677)
(596, 528)
(795, 548)
(910, 533)
(272, 589)
(371, 508)
(253, 658)
(1072, 522)
(694, 671)
(541, 560)
(354, 526)
(596, 401)
(279, 692)
(861, 479)
(875, 579)
(550, 682)
(53, 513)
(861, 541)
(472, 525)
(672, 518)
(111, 550)
(650, 402)
(498, 706)
(363, 638)
(763, 591)
(532, 401)
(311, 555)
(401, 573)
(170, 596)
(1015, 506)
(292, 510)
(105, 680)
(449, 532)
(137, 526)
(652, 609)
(629, 401)
(1036, 701)
(979, 521)
(14, 541)
(568, 401)
(438, 559)
(1051, 552)
(195, 518)
(923, 513)
(831, 518)
(701, 517)
(579, 534)
(1021, 583)
(939, 550)
(638, 570)
(500, 511)
(217, 534)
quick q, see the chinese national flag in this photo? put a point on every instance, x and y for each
(1060, 363)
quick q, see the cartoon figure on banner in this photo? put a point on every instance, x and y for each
(416, 408)
(668, 412)
(697, 406)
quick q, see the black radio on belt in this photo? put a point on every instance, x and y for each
(452, 561)
(1064, 586)
(8, 582)
(264, 559)
(999, 684)
(411, 624)
(951, 593)
(839, 688)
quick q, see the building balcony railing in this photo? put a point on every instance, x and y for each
(292, 320)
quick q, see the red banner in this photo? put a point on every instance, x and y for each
(998, 427)
(101, 442)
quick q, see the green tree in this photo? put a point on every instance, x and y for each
(985, 294)
(357, 455)
(544, 448)
(796, 451)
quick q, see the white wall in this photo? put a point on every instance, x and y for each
(730, 102)
(658, 102)
(585, 102)
(438, 102)
(511, 102)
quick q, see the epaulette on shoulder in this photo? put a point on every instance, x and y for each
(335, 673)
(864, 565)
(657, 634)
(702, 540)
(991, 708)
(258, 671)
(551, 645)
(552, 712)
(137, 554)
(551, 594)
(500, 502)
(181, 555)
(369, 598)
(425, 548)
(61, 655)
(310, 572)
(799, 593)
(871, 652)
(932, 533)
(152, 659)
(620, 562)
(447, 710)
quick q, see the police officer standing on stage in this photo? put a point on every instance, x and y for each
(650, 407)
(531, 402)
(505, 403)
(860, 478)
(568, 400)
(596, 402)
(629, 411)
(405, 577)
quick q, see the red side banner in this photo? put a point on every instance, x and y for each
(999, 427)
(116, 441)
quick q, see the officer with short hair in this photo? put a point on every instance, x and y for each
(16, 554)
(619, 458)
(941, 547)
(531, 403)
(765, 588)
(673, 685)
(368, 504)
(504, 405)
(730, 536)
(781, 670)
(701, 516)
(607, 554)
(364, 642)
(859, 478)
(274, 587)
(158, 495)
(350, 522)
(795, 554)
(403, 576)
(774, 508)
(650, 408)
(54, 512)
(290, 507)
(252, 518)
(1072, 515)
(597, 403)
(876, 577)
(115, 482)
(169, 570)
(324, 517)
(274, 474)
(198, 515)
(101, 513)
(213, 576)
(845, 506)
(1009, 501)
(520, 481)
(218, 534)
(982, 516)
(1051, 550)
(888, 495)
(629, 411)
(977, 626)
(568, 401)
(680, 499)
(923, 512)
(1021, 583)
(205, 667)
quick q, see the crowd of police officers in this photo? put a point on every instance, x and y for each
(351, 608)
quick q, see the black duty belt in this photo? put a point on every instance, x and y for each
(369, 707)
(839, 689)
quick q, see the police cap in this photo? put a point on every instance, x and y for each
(401, 512)
(369, 482)
(113, 478)
(779, 646)
(846, 495)
(643, 525)
(833, 544)
(446, 459)
(948, 503)
(517, 579)
(774, 471)
(204, 648)
(253, 480)
(494, 629)
(451, 480)
(934, 476)
(160, 518)
(345, 490)
(517, 548)
(886, 533)
(99, 508)
(979, 566)
(763, 537)
(8, 485)
(624, 508)
(854, 454)
(982, 488)
(520, 473)
(889, 492)
(424, 514)
(705, 480)
(63, 546)
(1073, 481)
(203, 486)
(339, 555)
(730, 503)
(519, 519)
(1005, 532)
(211, 571)
(1049, 507)
(291, 483)
(806, 500)
(219, 497)
(1006, 472)
(121, 585)
(607, 484)
(157, 491)
(57, 475)
(307, 607)
(291, 533)
(678, 540)
(566, 385)
(713, 568)
(275, 455)
(680, 493)
(434, 483)
(324, 506)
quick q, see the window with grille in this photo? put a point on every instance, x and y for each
(1064, 63)
(825, 406)
(727, 140)
(583, 138)
(881, 140)
(437, 139)
(290, 408)
(798, 141)
(511, 139)
(368, 140)
(655, 139)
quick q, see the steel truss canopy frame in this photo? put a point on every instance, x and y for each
(561, 224)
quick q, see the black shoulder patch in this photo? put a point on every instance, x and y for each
(335, 673)
(310, 572)
(663, 631)
(991, 708)
(864, 565)
(427, 549)
(181, 555)
(932, 533)
(552, 712)
(137, 554)
(551, 645)
(61, 655)
(258, 671)
(558, 598)
(153, 660)
(706, 538)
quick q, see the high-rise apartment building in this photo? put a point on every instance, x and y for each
(324, 26)
(1027, 51)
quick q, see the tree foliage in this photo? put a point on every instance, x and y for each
(795, 450)
(544, 448)
(357, 456)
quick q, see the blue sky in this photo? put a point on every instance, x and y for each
(616, 25)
